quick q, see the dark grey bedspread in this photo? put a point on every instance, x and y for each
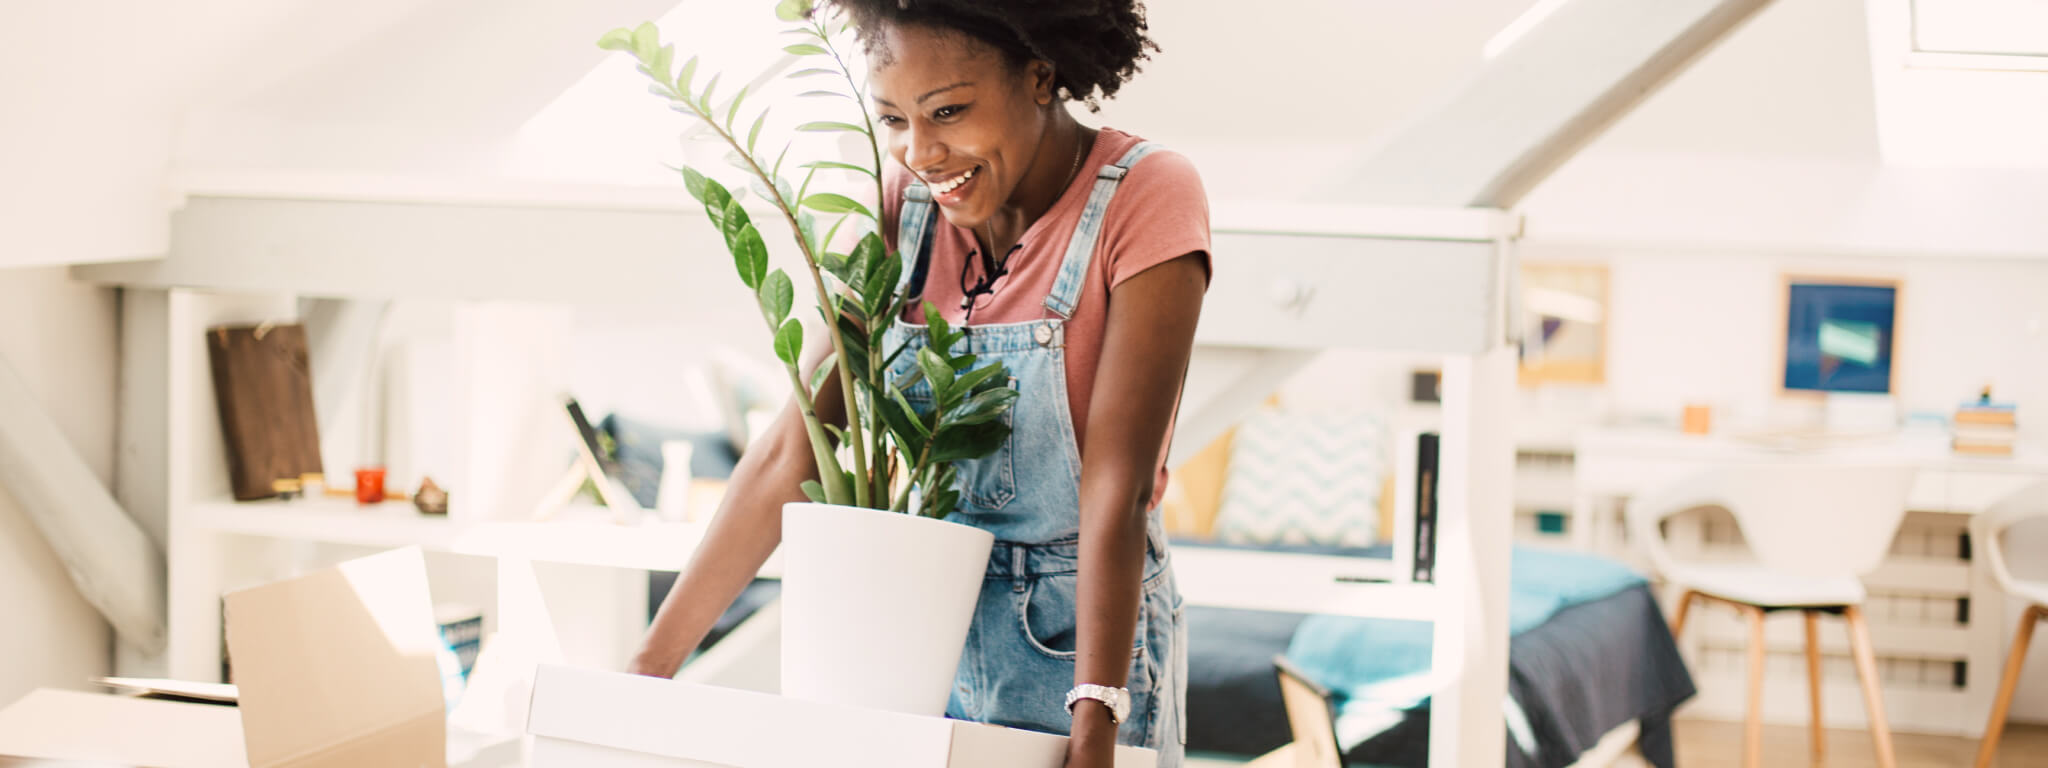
(1587, 670)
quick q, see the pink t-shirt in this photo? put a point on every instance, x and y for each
(1159, 214)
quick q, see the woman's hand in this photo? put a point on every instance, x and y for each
(651, 663)
(1093, 744)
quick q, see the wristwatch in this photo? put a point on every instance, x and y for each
(1118, 700)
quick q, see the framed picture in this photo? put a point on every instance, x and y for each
(1564, 324)
(1840, 335)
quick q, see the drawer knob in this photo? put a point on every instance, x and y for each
(1288, 293)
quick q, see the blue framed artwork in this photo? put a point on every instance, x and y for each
(1839, 337)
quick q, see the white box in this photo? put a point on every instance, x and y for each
(591, 719)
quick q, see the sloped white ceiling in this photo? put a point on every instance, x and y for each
(113, 105)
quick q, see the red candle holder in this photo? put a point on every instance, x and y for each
(370, 485)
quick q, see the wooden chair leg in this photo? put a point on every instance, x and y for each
(1753, 727)
(1813, 683)
(1866, 670)
(2014, 662)
(1684, 606)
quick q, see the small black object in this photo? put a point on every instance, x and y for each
(1425, 507)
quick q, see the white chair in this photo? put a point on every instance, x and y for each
(1986, 533)
(1815, 528)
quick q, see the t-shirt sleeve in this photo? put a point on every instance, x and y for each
(1160, 213)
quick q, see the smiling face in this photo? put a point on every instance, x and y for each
(961, 117)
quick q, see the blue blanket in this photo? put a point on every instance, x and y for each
(1374, 688)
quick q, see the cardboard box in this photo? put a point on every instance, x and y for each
(121, 730)
(590, 719)
(335, 668)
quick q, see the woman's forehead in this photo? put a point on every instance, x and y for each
(907, 55)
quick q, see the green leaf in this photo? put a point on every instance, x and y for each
(808, 225)
(873, 255)
(833, 232)
(779, 158)
(731, 222)
(704, 97)
(982, 407)
(814, 491)
(938, 333)
(789, 342)
(684, 77)
(715, 199)
(804, 49)
(663, 59)
(750, 256)
(620, 39)
(792, 10)
(645, 40)
(824, 371)
(754, 133)
(936, 371)
(852, 341)
(903, 404)
(776, 294)
(940, 504)
(694, 181)
(969, 441)
(972, 380)
(781, 187)
(881, 285)
(870, 172)
(733, 110)
(828, 202)
(738, 160)
(831, 93)
(824, 126)
(838, 265)
(813, 72)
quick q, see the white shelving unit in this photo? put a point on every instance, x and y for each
(584, 535)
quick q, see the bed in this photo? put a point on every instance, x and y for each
(1591, 665)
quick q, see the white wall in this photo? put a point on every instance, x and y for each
(1703, 326)
(60, 336)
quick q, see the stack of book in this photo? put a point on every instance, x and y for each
(1986, 429)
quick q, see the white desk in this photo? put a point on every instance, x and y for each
(1621, 462)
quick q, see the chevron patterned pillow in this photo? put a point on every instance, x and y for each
(1304, 477)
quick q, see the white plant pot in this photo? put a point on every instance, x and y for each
(876, 605)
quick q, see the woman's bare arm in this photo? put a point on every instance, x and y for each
(1145, 350)
(745, 531)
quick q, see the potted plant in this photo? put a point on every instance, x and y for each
(878, 589)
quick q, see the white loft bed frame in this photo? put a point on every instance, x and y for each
(1425, 263)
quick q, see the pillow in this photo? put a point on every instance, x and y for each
(1304, 477)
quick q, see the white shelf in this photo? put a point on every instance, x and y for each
(579, 535)
(1325, 584)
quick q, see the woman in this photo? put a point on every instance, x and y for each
(1079, 258)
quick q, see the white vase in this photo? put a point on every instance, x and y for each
(876, 605)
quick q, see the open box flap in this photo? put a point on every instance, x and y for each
(339, 661)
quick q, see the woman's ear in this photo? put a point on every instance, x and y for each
(1041, 74)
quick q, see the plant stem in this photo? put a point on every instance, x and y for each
(820, 444)
(881, 482)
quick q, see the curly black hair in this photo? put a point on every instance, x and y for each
(1094, 45)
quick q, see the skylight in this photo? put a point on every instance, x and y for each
(607, 128)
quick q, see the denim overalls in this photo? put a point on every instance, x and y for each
(1019, 659)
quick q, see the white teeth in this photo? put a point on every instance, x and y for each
(955, 182)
